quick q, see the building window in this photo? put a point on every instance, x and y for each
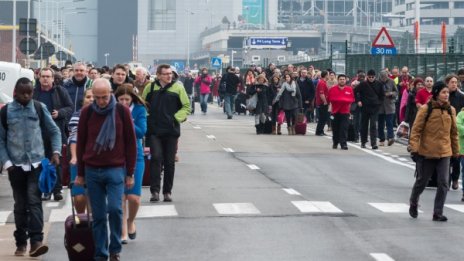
(459, 5)
(459, 20)
(435, 5)
(162, 15)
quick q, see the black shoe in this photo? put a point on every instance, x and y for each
(439, 218)
(462, 199)
(375, 147)
(132, 236)
(115, 257)
(57, 196)
(413, 211)
(46, 196)
(167, 197)
(363, 145)
(124, 241)
(334, 146)
(155, 197)
(344, 147)
(229, 117)
(38, 249)
(320, 134)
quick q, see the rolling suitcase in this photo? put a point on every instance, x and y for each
(267, 128)
(78, 237)
(240, 104)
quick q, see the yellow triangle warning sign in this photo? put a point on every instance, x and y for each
(383, 39)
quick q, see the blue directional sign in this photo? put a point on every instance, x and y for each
(216, 62)
(383, 51)
(269, 42)
(180, 65)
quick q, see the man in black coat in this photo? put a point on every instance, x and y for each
(228, 89)
(370, 96)
(308, 92)
(456, 99)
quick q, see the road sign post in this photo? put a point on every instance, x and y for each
(216, 62)
(383, 45)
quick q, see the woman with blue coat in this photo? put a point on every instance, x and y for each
(126, 96)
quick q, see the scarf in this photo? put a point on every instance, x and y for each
(107, 136)
(291, 88)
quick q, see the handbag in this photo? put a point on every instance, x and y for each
(402, 132)
(281, 117)
(252, 102)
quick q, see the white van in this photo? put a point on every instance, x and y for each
(9, 74)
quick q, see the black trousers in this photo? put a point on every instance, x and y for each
(340, 125)
(163, 155)
(323, 117)
(369, 122)
(28, 212)
(455, 168)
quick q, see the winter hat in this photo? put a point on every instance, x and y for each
(371, 72)
(436, 89)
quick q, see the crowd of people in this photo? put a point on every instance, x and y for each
(104, 118)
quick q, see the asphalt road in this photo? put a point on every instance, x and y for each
(240, 196)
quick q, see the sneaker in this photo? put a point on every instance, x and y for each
(413, 211)
(439, 218)
(390, 142)
(46, 196)
(38, 249)
(155, 197)
(57, 196)
(21, 251)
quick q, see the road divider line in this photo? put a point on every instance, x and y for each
(316, 206)
(229, 150)
(236, 209)
(52, 204)
(4, 217)
(381, 257)
(197, 127)
(403, 159)
(392, 207)
(459, 208)
(292, 191)
(253, 166)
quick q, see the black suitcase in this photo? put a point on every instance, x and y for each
(267, 127)
(351, 133)
(78, 237)
(240, 104)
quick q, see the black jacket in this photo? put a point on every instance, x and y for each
(232, 82)
(308, 91)
(457, 100)
(371, 94)
(62, 103)
(264, 97)
(188, 85)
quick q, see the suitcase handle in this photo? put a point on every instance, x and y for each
(75, 217)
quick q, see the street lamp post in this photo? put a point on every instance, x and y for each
(188, 35)
(106, 58)
(232, 58)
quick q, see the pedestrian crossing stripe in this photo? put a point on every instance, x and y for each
(392, 207)
(236, 209)
(381, 257)
(316, 207)
(459, 208)
(4, 217)
(157, 211)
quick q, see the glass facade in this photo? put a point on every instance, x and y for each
(162, 15)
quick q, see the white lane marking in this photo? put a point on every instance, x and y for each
(229, 150)
(212, 137)
(253, 166)
(236, 208)
(157, 211)
(386, 153)
(403, 159)
(395, 156)
(4, 217)
(392, 207)
(382, 257)
(456, 207)
(292, 191)
(197, 127)
(52, 204)
(59, 215)
(356, 146)
(316, 206)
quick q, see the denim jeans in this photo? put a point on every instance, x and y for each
(229, 104)
(386, 119)
(204, 102)
(163, 155)
(105, 190)
(28, 212)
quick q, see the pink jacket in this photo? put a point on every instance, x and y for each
(204, 84)
(403, 103)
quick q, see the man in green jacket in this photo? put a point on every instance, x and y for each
(169, 106)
